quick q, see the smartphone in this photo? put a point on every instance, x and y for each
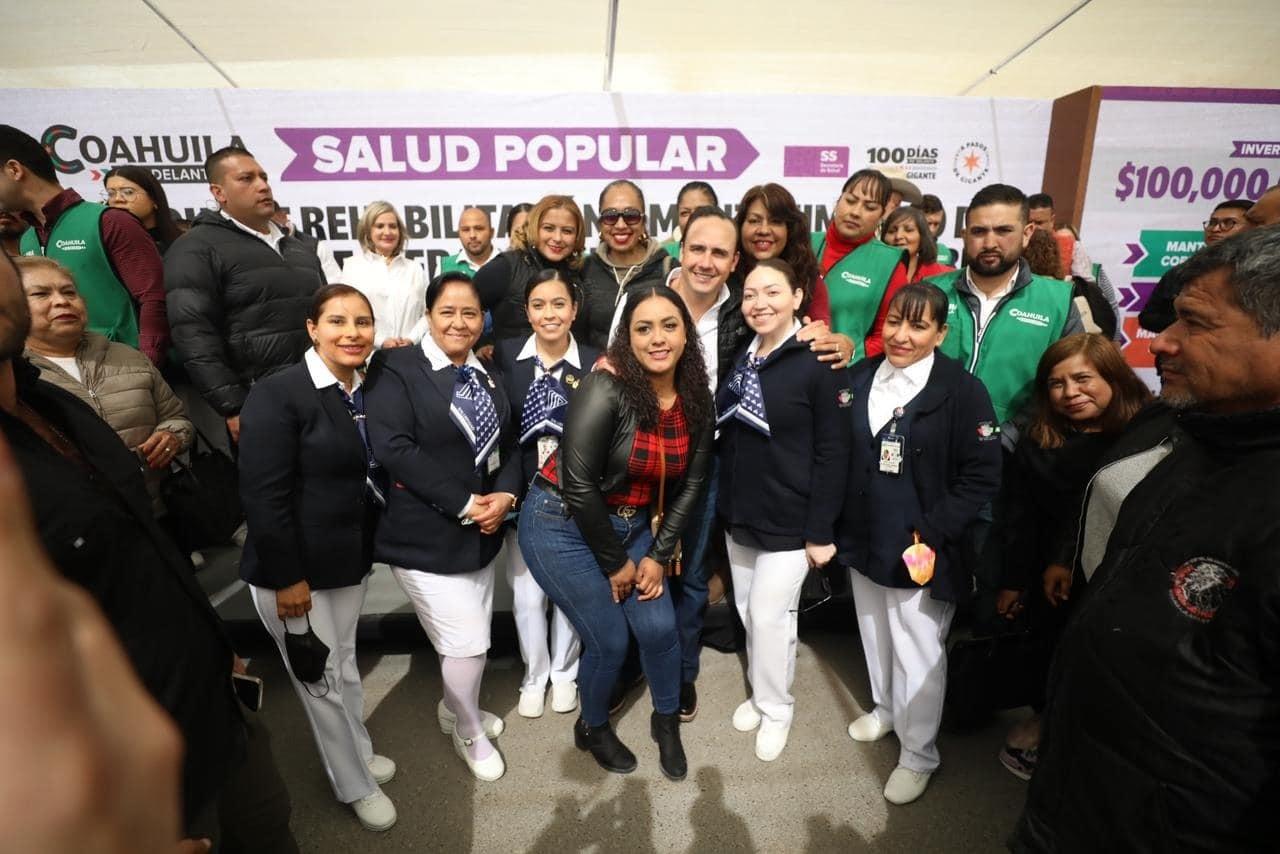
(249, 690)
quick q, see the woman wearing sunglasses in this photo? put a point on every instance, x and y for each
(626, 258)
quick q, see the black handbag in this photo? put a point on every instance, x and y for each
(202, 497)
(989, 673)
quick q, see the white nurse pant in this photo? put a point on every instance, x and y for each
(904, 633)
(558, 661)
(766, 592)
(337, 715)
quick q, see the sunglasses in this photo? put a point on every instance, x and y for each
(630, 216)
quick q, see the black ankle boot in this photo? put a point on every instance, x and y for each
(665, 730)
(609, 751)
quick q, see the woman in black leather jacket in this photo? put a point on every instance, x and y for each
(632, 442)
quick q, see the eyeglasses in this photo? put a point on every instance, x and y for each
(126, 193)
(1221, 224)
(630, 216)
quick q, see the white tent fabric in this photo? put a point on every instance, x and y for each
(744, 46)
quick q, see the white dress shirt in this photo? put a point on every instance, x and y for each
(272, 237)
(322, 377)
(894, 387)
(987, 304)
(397, 291)
(571, 356)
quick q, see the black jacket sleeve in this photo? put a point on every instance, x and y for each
(584, 452)
(196, 319)
(493, 280)
(1015, 526)
(675, 516)
(268, 477)
(975, 476)
(832, 438)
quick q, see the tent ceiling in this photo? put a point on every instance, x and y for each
(812, 46)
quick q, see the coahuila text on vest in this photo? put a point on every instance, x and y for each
(1029, 317)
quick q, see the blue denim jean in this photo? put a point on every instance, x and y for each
(566, 568)
(689, 589)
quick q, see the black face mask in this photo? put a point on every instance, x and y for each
(307, 655)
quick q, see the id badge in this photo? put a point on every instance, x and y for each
(891, 454)
(493, 463)
(546, 447)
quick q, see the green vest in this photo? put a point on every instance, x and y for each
(856, 285)
(451, 264)
(673, 248)
(76, 243)
(946, 255)
(1025, 324)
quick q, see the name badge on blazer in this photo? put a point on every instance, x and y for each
(891, 446)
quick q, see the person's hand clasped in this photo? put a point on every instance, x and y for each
(649, 576)
(819, 556)
(160, 448)
(829, 346)
(1057, 584)
(1009, 603)
(294, 600)
(623, 581)
(489, 510)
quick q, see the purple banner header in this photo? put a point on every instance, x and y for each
(1255, 148)
(504, 154)
(1191, 95)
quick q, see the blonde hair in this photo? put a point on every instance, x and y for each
(364, 228)
(31, 263)
(527, 234)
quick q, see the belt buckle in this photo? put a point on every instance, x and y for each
(626, 511)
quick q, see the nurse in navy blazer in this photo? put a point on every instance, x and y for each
(783, 451)
(441, 427)
(925, 459)
(312, 495)
(540, 374)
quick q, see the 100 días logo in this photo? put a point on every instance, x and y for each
(971, 163)
(171, 159)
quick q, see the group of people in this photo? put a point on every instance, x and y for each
(843, 400)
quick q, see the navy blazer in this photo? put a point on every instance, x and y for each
(517, 376)
(951, 470)
(430, 465)
(787, 488)
(302, 483)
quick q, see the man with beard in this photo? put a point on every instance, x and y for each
(1001, 317)
(476, 233)
(11, 229)
(1162, 729)
(94, 519)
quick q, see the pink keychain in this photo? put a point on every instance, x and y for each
(919, 559)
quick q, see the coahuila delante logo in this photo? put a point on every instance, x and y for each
(855, 279)
(172, 159)
(409, 154)
(1029, 317)
(971, 163)
(71, 245)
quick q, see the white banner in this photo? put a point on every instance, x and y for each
(1162, 159)
(330, 153)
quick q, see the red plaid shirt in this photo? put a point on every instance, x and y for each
(643, 466)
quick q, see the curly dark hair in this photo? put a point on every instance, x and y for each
(798, 251)
(692, 384)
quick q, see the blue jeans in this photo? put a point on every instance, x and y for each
(689, 589)
(564, 566)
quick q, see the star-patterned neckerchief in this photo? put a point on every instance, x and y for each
(473, 411)
(544, 404)
(749, 404)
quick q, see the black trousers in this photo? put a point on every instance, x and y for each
(250, 814)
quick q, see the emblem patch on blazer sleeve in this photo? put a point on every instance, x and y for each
(1200, 586)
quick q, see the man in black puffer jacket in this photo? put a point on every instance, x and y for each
(1162, 730)
(238, 288)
